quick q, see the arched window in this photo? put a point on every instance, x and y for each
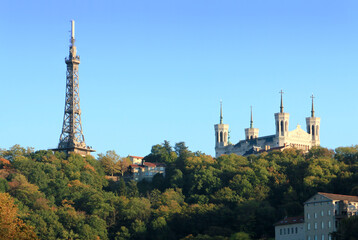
(225, 137)
(308, 130)
(313, 132)
(282, 128)
(286, 126)
(221, 137)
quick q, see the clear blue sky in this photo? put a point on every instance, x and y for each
(156, 70)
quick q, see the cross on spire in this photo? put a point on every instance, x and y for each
(221, 112)
(281, 107)
(312, 111)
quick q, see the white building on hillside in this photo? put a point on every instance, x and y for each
(283, 138)
(290, 228)
(136, 160)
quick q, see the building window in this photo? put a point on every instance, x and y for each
(322, 213)
(315, 215)
(284, 231)
(329, 224)
(280, 231)
(315, 225)
(329, 212)
(308, 216)
(308, 226)
(329, 237)
(292, 231)
(296, 229)
(309, 238)
(315, 237)
(288, 230)
(322, 238)
(322, 225)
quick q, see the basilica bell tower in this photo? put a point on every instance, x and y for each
(313, 125)
(221, 134)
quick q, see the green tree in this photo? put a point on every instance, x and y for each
(138, 229)
(240, 236)
(123, 234)
(110, 162)
(162, 153)
(347, 229)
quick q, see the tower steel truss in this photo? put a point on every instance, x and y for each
(72, 138)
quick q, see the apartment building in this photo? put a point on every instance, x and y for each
(290, 228)
(322, 215)
(146, 170)
(323, 212)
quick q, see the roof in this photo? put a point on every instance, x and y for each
(252, 150)
(149, 164)
(333, 196)
(267, 140)
(290, 220)
(136, 157)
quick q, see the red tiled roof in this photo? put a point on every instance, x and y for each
(333, 196)
(136, 157)
(290, 220)
(149, 164)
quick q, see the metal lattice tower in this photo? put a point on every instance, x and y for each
(72, 139)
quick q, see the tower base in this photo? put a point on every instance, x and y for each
(82, 151)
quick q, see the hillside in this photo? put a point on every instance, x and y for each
(231, 197)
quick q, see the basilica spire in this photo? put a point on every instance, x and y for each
(312, 111)
(221, 112)
(251, 121)
(281, 107)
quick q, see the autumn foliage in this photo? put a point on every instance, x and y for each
(11, 226)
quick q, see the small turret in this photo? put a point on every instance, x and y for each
(251, 133)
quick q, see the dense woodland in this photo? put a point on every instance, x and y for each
(45, 195)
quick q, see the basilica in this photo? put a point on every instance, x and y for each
(283, 138)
